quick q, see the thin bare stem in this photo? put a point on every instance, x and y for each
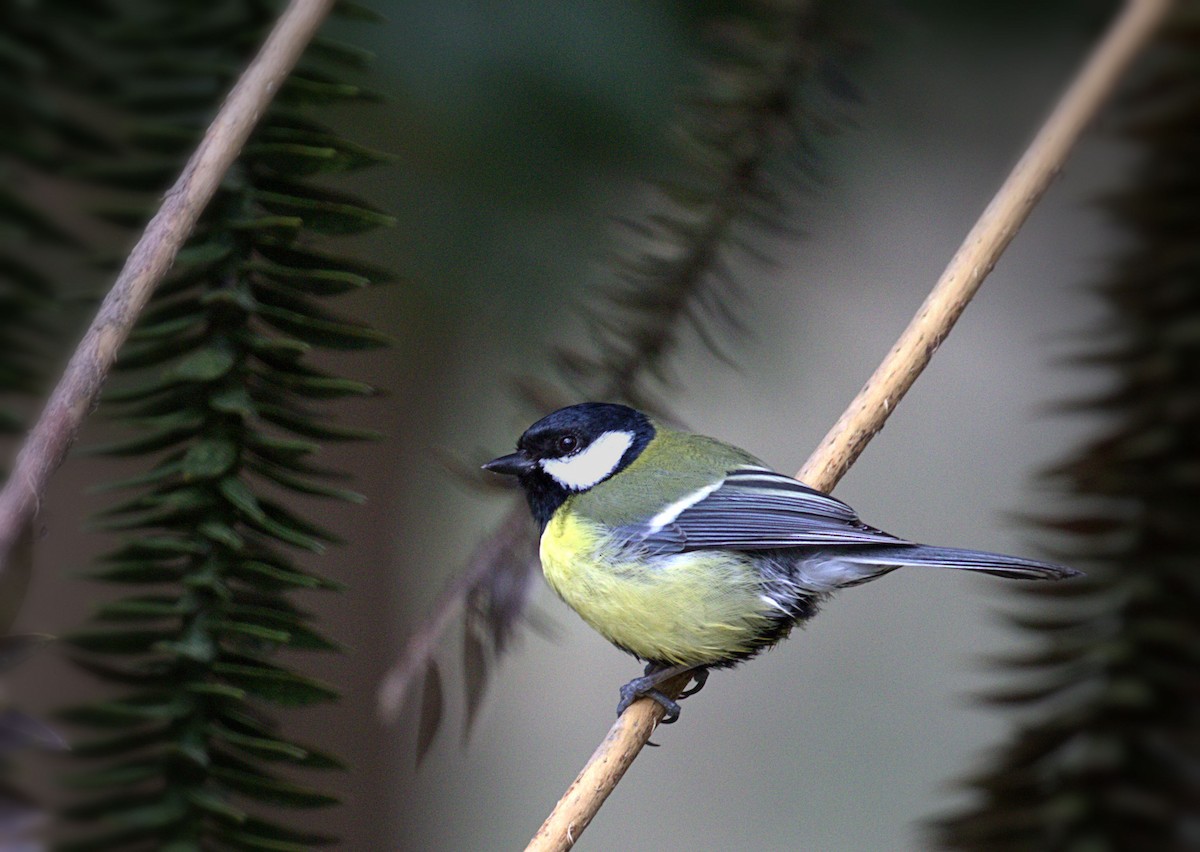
(75, 396)
(912, 352)
(511, 537)
(976, 257)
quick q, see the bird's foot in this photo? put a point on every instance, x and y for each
(647, 687)
(632, 691)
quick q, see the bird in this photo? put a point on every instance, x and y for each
(691, 554)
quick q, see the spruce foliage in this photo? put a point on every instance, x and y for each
(1111, 760)
(228, 409)
(42, 62)
(768, 87)
(747, 138)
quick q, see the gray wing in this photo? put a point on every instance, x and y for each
(754, 509)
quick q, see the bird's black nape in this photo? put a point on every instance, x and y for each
(588, 421)
(563, 433)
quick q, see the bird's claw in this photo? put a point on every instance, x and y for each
(700, 677)
(647, 687)
(630, 693)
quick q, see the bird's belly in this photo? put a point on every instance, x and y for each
(700, 608)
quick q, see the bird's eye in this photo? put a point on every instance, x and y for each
(566, 444)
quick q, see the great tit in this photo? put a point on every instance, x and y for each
(690, 553)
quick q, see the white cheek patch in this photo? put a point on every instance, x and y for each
(585, 468)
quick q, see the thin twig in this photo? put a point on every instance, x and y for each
(75, 396)
(511, 537)
(867, 413)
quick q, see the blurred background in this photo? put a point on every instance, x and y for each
(519, 132)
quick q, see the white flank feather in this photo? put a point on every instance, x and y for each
(673, 511)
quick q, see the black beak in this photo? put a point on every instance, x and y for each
(514, 464)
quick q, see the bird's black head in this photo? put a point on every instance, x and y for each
(574, 449)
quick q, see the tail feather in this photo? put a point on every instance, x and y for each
(997, 564)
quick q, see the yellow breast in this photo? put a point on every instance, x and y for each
(697, 608)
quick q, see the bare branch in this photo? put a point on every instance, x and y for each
(75, 396)
(509, 545)
(912, 352)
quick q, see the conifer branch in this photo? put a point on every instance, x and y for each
(767, 91)
(1104, 696)
(869, 410)
(75, 396)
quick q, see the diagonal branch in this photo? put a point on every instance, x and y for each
(867, 412)
(510, 543)
(75, 396)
